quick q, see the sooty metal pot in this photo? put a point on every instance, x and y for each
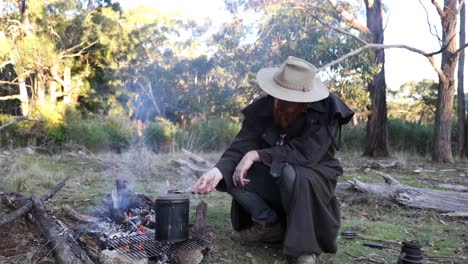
(172, 217)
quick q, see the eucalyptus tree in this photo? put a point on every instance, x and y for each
(162, 64)
(286, 28)
(462, 119)
(43, 41)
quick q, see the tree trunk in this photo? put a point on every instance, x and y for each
(39, 88)
(67, 86)
(462, 134)
(52, 84)
(376, 138)
(23, 97)
(441, 147)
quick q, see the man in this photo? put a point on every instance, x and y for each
(280, 169)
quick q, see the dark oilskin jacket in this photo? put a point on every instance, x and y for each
(313, 217)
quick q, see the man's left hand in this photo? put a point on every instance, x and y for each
(240, 173)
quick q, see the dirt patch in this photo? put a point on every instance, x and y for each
(21, 242)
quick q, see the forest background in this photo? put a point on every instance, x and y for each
(93, 74)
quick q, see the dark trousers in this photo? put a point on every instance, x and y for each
(265, 197)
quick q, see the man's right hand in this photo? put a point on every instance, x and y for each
(208, 181)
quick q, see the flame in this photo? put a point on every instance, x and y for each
(126, 246)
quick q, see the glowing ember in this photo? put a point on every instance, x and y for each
(126, 246)
(141, 230)
(140, 247)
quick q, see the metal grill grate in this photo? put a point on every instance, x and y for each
(146, 246)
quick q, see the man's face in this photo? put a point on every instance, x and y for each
(285, 113)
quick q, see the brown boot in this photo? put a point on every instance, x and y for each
(259, 232)
(304, 259)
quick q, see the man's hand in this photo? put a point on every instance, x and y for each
(208, 181)
(239, 176)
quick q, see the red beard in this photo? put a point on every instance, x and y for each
(286, 113)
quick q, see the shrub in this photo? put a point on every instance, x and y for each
(403, 136)
(98, 134)
(409, 137)
(353, 138)
(160, 136)
(215, 134)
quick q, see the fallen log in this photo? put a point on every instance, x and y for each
(394, 191)
(16, 201)
(28, 206)
(458, 188)
(64, 246)
(73, 214)
(197, 159)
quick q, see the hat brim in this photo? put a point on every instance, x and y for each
(267, 83)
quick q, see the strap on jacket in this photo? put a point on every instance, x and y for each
(338, 131)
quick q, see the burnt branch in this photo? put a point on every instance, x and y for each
(28, 206)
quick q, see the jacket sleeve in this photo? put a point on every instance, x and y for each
(307, 149)
(245, 140)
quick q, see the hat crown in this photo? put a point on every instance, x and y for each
(296, 74)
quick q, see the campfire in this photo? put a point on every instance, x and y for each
(121, 230)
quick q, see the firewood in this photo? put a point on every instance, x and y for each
(28, 206)
(121, 199)
(16, 201)
(92, 244)
(63, 244)
(73, 214)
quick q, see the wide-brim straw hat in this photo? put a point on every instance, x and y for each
(294, 81)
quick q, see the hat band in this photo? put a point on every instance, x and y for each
(303, 88)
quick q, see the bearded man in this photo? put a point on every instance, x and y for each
(281, 169)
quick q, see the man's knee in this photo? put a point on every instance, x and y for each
(287, 177)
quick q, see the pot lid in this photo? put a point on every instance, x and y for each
(173, 197)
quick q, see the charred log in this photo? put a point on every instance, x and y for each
(74, 215)
(28, 205)
(200, 218)
(65, 248)
(92, 244)
(122, 199)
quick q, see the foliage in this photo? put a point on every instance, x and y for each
(100, 134)
(404, 136)
(160, 134)
(214, 134)
(410, 137)
(141, 65)
(414, 102)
